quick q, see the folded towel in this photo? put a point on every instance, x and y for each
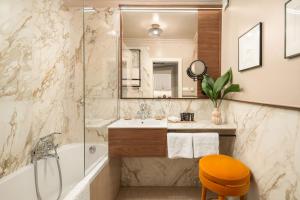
(180, 145)
(205, 144)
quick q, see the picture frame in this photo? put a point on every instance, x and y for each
(292, 29)
(250, 48)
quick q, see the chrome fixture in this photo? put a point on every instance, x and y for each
(144, 112)
(44, 149)
(92, 149)
(155, 30)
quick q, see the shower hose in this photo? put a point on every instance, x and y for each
(36, 177)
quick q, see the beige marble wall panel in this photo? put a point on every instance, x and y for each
(40, 77)
(268, 142)
(167, 107)
(101, 75)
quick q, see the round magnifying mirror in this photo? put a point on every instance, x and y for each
(198, 67)
(197, 70)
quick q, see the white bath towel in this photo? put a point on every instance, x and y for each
(205, 144)
(180, 145)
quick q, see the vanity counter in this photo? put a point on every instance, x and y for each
(148, 138)
(197, 126)
(202, 126)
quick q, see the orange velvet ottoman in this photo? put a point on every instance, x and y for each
(223, 175)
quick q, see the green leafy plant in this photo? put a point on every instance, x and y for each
(217, 90)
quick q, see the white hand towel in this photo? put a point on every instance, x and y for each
(180, 145)
(205, 144)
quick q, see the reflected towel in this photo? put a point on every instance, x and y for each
(205, 144)
(180, 145)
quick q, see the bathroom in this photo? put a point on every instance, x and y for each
(119, 100)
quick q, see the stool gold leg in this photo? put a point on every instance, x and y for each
(221, 198)
(203, 193)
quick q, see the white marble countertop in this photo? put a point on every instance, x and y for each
(138, 123)
(152, 123)
(202, 124)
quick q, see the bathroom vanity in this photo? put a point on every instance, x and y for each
(148, 138)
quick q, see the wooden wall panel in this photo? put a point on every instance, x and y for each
(209, 42)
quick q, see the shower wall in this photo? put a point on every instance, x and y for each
(101, 72)
(41, 77)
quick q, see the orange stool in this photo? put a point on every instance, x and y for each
(224, 176)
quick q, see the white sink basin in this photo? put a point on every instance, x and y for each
(138, 123)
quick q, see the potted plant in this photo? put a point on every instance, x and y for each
(217, 90)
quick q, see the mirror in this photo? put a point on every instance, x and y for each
(197, 70)
(158, 47)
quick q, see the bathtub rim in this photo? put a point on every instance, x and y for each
(87, 180)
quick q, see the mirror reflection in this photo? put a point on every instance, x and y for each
(158, 46)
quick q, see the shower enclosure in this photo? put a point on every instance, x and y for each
(101, 78)
(58, 73)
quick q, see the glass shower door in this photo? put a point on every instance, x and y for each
(101, 79)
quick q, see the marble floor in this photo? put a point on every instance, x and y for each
(161, 193)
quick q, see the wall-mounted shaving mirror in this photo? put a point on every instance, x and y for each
(159, 45)
(197, 70)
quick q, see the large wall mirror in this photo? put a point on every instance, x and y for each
(158, 48)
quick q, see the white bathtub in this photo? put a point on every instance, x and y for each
(92, 159)
(20, 185)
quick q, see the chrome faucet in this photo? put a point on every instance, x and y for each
(144, 112)
(45, 148)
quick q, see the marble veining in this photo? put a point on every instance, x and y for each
(159, 172)
(167, 107)
(268, 141)
(40, 77)
(101, 75)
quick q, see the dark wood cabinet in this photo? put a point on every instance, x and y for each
(137, 142)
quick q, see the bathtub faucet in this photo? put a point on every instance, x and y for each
(45, 148)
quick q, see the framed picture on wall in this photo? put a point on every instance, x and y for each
(292, 29)
(250, 48)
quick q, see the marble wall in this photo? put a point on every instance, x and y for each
(41, 84)
(101, 72)
(167, 107)
(268, 141)
(101, 75)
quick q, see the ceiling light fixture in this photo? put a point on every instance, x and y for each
(155, 30)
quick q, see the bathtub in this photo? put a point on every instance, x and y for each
(20, 185)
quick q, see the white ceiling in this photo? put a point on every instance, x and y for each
(175, 25)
